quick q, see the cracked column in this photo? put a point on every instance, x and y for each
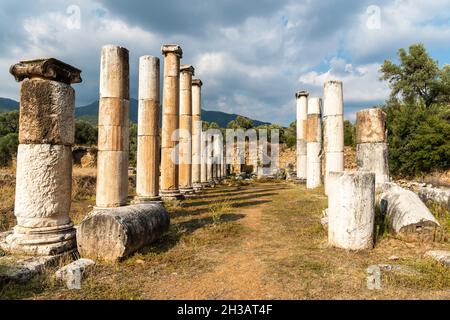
(371, 144)
(170, 122)
(333, 109)
(113, 123)
(314, 144)
(185, 171)
(196, 133)
(147, 171)
(302, 115)
(44, 158)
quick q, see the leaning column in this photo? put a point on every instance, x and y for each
(196, 133)
(302, 114)
(170, 122)
(351, 212)
(333, 109)
(113, 137)
(147, 171)
(314, 144)
(185, 172)
(371, 144)
(44, 158)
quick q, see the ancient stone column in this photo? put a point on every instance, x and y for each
(216, 159)
(371, 144)
(147, 171)
(210, 159)
(44, 158)
(314, 144)
(185, 167)
(204, 160)
(302, 112)
(113, 122)
(333, 117)
(351, 210)
(196, 133)
(170, 122)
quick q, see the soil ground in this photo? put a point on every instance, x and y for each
(251, 241)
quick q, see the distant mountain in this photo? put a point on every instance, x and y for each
(7, 105)
(90, 113)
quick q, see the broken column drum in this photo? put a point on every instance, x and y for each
(333, 109)
(44, 158)
(147, 170)
(351, 210)
(170, 123)
(185, 167)
(113, 126)
(302, 112)
(196, 133)
(314, 144)
(371, 144)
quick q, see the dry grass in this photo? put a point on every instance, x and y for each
(7, 219)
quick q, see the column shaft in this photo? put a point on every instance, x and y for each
(302, 111)
(314, 144)
(147, 171)
(196, 133)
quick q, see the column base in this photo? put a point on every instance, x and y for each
(299, 180)
(171, 195)
(197, 187)
(187, 192)
(47, 241)
(145, 200)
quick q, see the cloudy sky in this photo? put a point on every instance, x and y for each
(251, 55)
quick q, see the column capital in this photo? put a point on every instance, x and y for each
(299, 94)
(197, 82)
(187, 68)
(172, 48)
(48, 68)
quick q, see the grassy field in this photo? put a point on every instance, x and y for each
(249, 241)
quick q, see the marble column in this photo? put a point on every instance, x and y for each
(372, 145)
(314, 144)
(196, 133)
(185, 171)
(204, 160)
(210, 159)
(147, 171)
(113, 123)
(302, 115)
(170, 123)
(44, 158)
(333, 116)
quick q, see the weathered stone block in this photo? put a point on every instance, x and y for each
(114, 234)
(47, 112)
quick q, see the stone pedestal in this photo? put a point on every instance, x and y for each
(196, 134)
(185, 172)
(44, 159)
(113, 124)
(147, 171)
(170, 123)
(371, 144)
(302, 116)
(351, 210)
(333, 116)
(314, 144)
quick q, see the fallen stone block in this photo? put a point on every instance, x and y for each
(114, 234)
(72, 274)
(437, 195)
(407, 215)
(440, 256)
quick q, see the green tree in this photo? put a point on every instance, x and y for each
(85, 133)
(349, 134)
(240, 123)
(8, 148)
(132, 156)
(417, 77)
(9, 123)
(290, 135)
